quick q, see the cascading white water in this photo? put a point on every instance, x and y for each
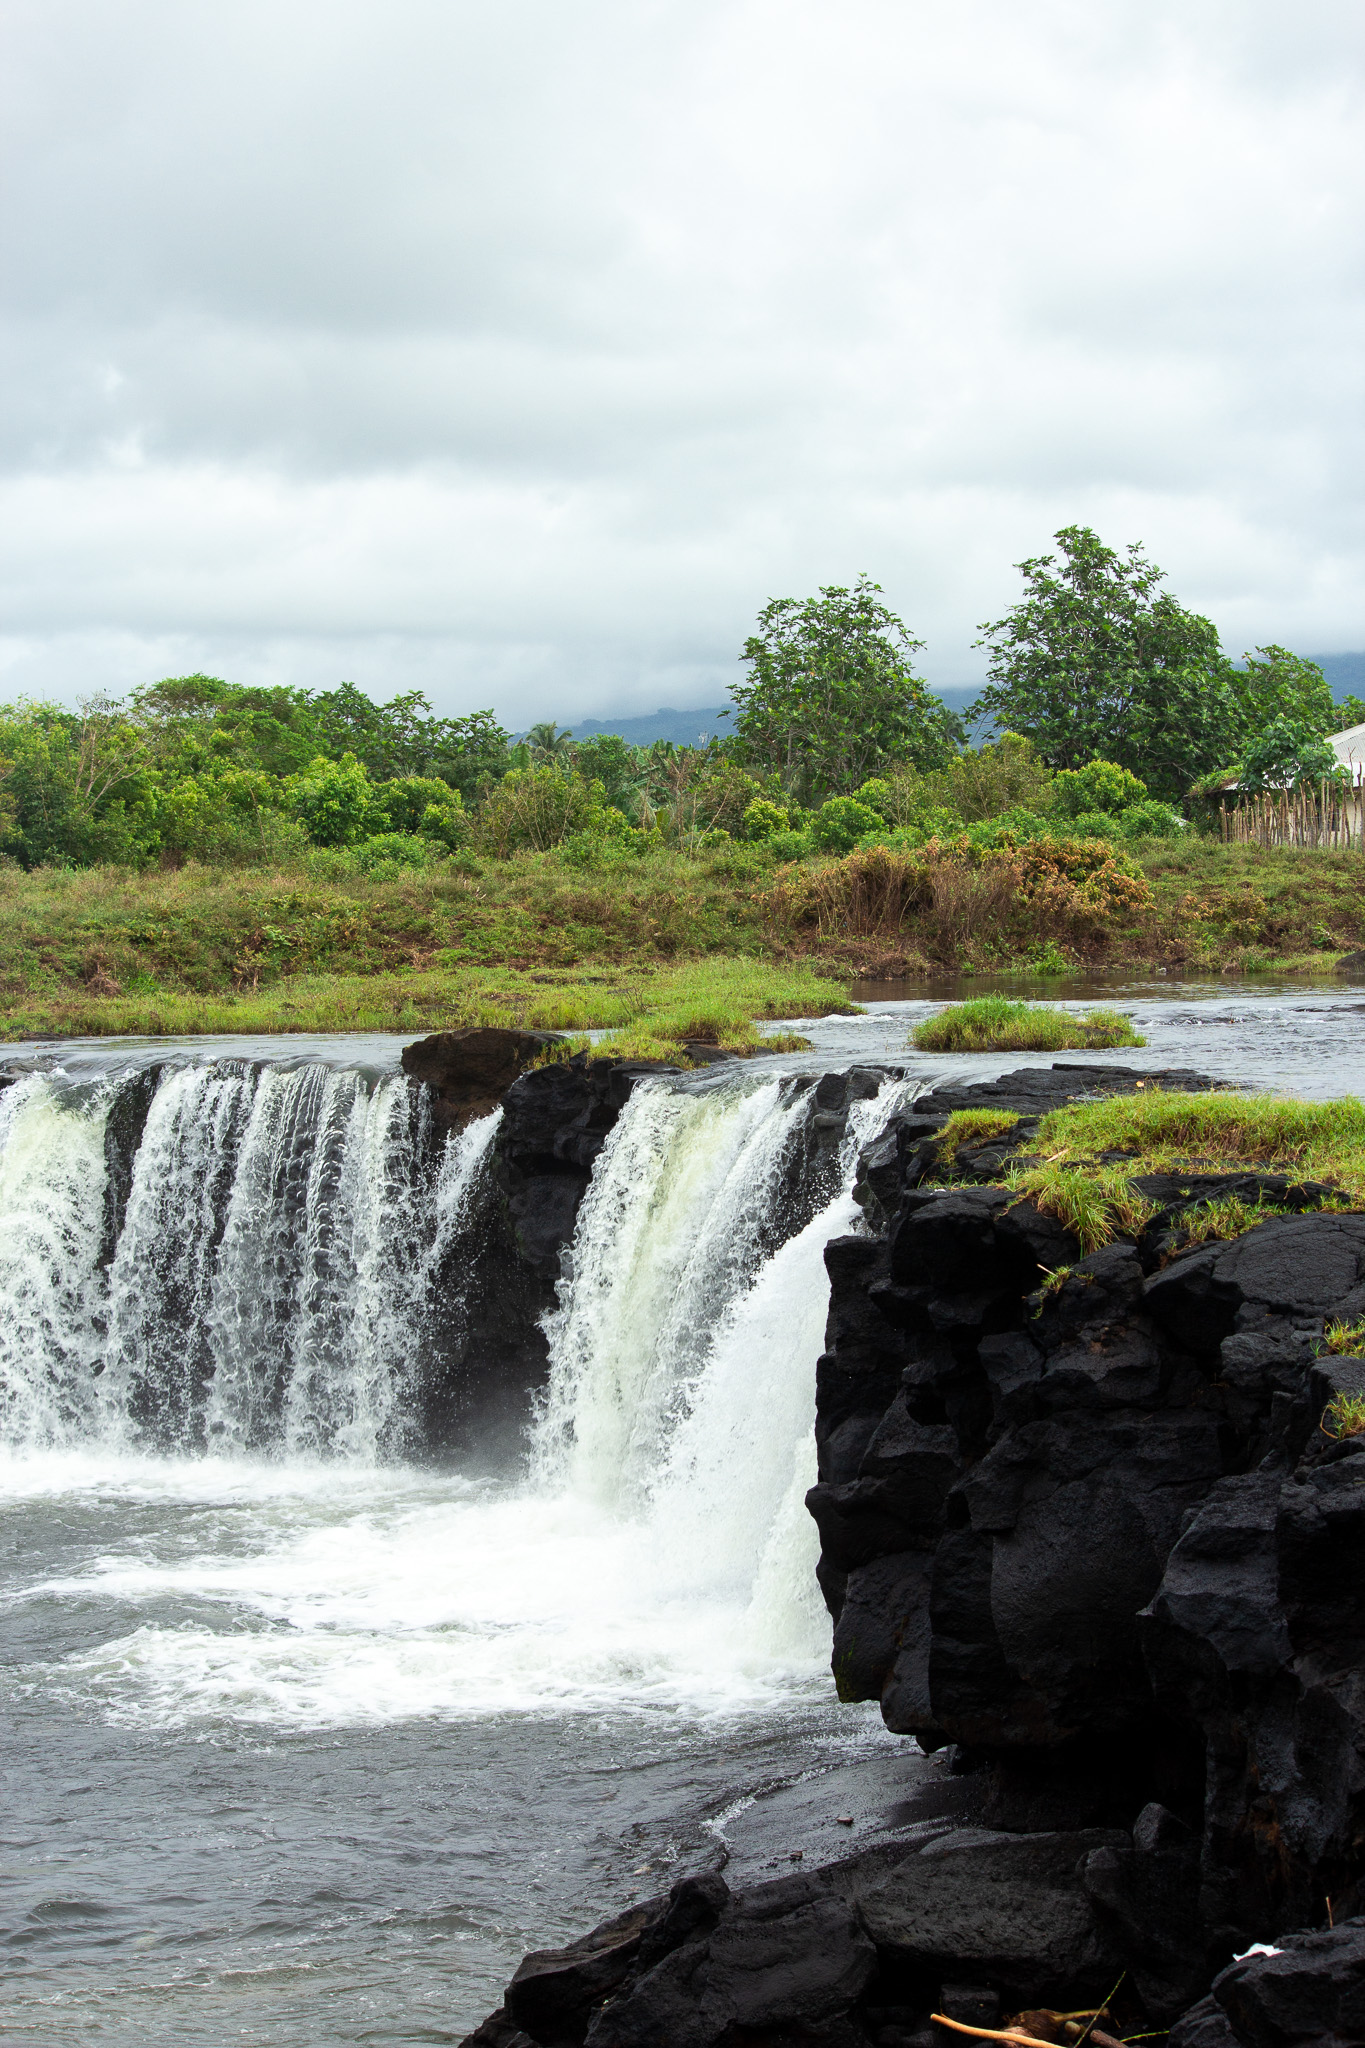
(683, 1353)
(52, 1178)
(655, 1554)
(268, 1285)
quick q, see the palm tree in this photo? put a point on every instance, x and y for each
(550, 748)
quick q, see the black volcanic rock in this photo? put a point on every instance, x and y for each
(1082, 1533)
(469, 1071)
(1310, 1995)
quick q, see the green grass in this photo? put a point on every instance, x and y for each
(318, 944)
(1344, 1340)
(669, 946)
(1344, 1416)
(995, 1024)
(972, 1127)
(1095, 1203)
(714, 1000)
(1174, 1133)
(1080, 1180)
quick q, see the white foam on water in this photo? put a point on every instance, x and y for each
(657, 1557)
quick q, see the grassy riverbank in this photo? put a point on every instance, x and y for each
(671, 944)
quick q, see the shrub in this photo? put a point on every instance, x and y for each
(763, 819)
(421, 803)
(1099, 786)
(841, 822)
(964, 901)
(1095, 825)
(791, 845)
(982, 782)
(532, 809)
(334, 801)
(1150, 820)
(388, 852)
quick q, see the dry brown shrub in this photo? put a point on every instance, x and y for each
(866, 896)
(962, 901)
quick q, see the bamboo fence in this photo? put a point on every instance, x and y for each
(1332, 814)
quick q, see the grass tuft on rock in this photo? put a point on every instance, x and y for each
(1095, 1202)
(1169, 1132)
(1344, 1416)
(995, 1024)
(972, 1127)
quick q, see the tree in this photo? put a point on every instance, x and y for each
(1097, 661)
(404, 737)
(198, 723)
(550, 747)
(1285, 755)
(72, 785)
(619, 767)
(335, 801)
(831, 695)
(1273, 683)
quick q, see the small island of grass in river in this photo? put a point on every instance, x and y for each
(995, 1024)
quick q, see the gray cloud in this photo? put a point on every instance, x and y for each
(520, 354)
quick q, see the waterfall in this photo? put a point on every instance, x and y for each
(216, 1287)
(683, 1350)
(270, 1280)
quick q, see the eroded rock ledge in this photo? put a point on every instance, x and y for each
(1091, 1544)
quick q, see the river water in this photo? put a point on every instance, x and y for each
(307, 1741)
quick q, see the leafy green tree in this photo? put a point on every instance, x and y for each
(1350, 711)
(831, 696)
(1287, 756)
(620, 768)
(73, 786)
(550, 746)
(190, 724)
(404, 737)
(1273, 683)
(335, 801)
(1096, 661)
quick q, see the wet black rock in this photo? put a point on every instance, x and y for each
(505, 1264)
(467, 1072)
(1311, 1993)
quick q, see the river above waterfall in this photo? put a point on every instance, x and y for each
(309, 1739)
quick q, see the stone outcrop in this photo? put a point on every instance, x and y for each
(469, 1071)
(503, 1268)
(1083, 1537)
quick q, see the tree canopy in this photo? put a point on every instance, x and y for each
(1096, 661)
(831, 694)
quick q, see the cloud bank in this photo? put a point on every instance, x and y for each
(520, 354)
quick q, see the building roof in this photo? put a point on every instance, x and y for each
(1349, 747)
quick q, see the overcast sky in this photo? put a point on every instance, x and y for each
(521, 352)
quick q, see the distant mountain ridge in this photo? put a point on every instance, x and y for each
(1345, 674)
